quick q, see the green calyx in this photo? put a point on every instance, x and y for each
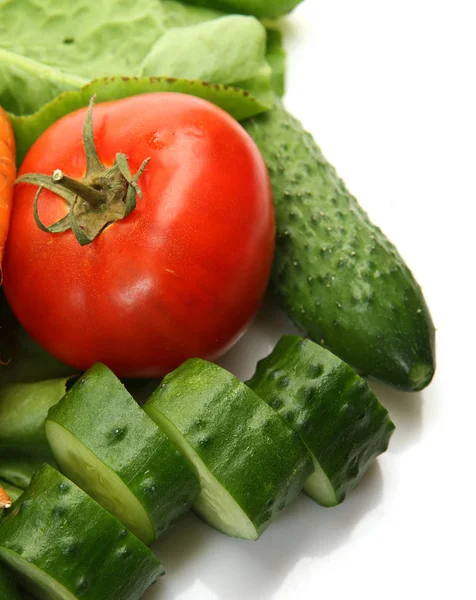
(104, 195)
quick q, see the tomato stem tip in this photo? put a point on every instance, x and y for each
(103, 196)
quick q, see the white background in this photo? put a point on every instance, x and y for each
(388, 90)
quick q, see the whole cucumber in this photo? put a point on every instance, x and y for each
(335, 273)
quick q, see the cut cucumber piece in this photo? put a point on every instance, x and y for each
(105, 443)
(8, 588)
(214, 504)
(23, 411)
(64, 546)
(19, 470)
(332, 409)
(250, 464)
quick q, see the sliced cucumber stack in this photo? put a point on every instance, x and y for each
(332, 409)
(250, 464)
(107, 445)
(64, 546)
(8, 588)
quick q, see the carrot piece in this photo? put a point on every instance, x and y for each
(5, 501)
(7, 176)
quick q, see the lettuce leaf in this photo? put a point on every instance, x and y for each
(84, 38)
(229, 50)
(238, 102)
(70, 44)
(25, 83)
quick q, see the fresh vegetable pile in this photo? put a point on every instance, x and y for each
(162, 187)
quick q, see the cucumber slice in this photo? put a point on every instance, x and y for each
(19, 470)
(105, 443)
(332, 409)
(23, 411)
(250, 464)
(8, 588)
(64, 546)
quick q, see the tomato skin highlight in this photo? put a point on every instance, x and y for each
(182, 276)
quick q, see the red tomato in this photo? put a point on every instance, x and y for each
(182, 276)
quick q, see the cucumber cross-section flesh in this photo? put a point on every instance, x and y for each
(44, 588)
(107, 445)
(100, 482)
(63, 545)
(214, 503)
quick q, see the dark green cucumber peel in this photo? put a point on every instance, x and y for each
(332, 409)
(64, 546)
(335, 274)
(107, 445)
(250, 464)
(8, 588)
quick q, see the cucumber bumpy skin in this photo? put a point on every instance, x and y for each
(8, 588)
(330, 407)
(107, 445)
(64, 546)
(335, 274)
(249, 462)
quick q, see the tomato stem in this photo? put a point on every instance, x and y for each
(92, 196)
(93, 164)
(104, 195)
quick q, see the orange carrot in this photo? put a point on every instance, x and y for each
(7, 176)
(5, 501)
